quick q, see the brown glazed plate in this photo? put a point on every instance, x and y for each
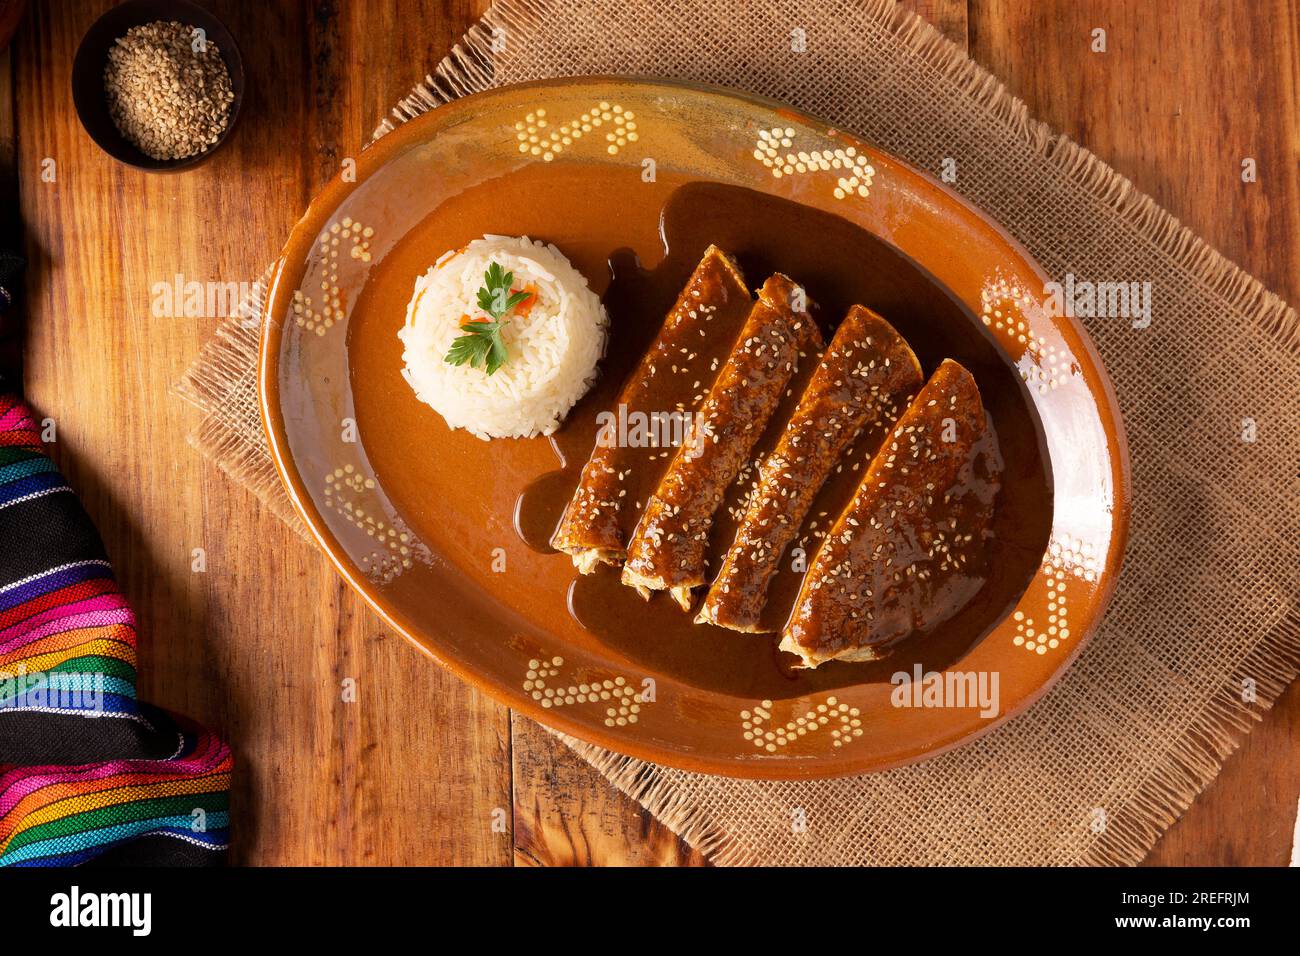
(445, 535)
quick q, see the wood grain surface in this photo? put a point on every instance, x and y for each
(264, 641)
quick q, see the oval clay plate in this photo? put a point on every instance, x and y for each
(445, 535)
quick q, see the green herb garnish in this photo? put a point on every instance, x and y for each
(481, 344)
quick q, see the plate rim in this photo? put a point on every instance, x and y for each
(371, 158)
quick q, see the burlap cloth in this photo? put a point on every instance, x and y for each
(1204, 631)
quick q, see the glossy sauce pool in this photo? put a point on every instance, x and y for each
(498, 502)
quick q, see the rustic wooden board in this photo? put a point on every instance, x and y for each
(420, 769)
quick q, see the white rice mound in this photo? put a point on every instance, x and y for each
(553, 350)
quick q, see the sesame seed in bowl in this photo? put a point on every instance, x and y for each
(168, 89)
(158, 84)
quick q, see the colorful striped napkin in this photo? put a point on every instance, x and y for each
(87, 772)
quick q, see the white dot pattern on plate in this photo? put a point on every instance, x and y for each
(857, 171)
(1066, 557)
(607, 123)
(1005, 309)
(395, 549)
(320, 314)
(623, 702)
(843, 721)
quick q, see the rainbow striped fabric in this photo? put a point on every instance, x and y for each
(87, 772)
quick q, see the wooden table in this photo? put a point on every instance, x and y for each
(258, 645)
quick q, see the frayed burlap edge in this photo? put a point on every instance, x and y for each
(229, 432)
(1190, 762)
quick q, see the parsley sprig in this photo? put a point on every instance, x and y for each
(481, 345)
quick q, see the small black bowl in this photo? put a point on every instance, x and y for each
(92, 56)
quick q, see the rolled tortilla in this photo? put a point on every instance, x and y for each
(862, 384)
(884, 569)
(668, 548)
(596, 522)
